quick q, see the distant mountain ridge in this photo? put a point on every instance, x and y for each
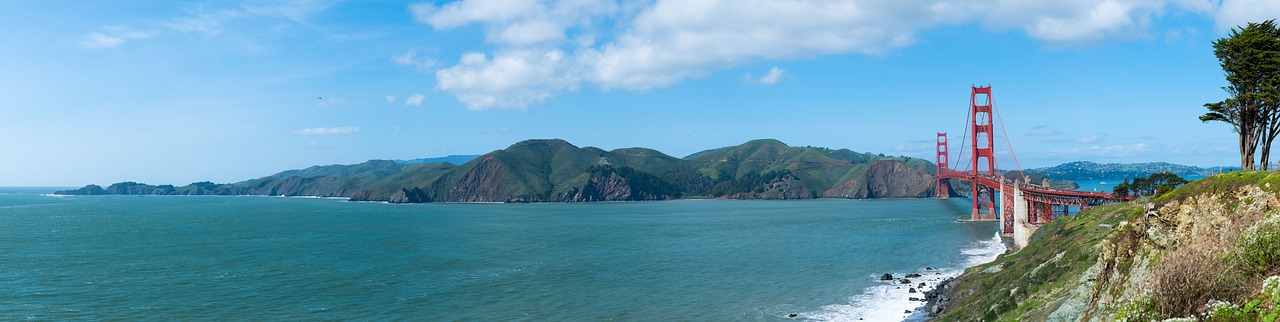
(553, 170)
(455, 159)
(1085, 170)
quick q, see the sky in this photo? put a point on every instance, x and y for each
(184, 91)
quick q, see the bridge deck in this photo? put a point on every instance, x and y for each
(1059, 196)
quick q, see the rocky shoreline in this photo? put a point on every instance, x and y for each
(936, 300)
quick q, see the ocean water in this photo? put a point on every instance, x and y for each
(273, 258)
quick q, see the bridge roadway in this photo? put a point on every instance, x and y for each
(1082, 199)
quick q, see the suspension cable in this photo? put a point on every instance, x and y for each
(1007, 142)
(965, 136)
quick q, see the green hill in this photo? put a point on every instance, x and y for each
(554, 170)
(375, 169)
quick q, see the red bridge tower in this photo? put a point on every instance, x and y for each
(943, 191)
(983, 159)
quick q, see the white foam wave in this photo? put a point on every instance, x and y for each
(891, 301)
(984, 252)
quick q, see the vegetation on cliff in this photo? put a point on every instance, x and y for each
(1204, 250)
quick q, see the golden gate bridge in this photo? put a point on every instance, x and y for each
(1023, 205)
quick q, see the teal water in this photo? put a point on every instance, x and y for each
(269, 258)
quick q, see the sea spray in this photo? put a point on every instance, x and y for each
(892, 300)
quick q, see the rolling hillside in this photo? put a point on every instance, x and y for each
(554, 170)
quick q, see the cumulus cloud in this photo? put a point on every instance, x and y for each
(516, 22)
(1081, 21)
(414, 100)
(513, 79)
(540, 48)
(327, 130)
(1234, 13)
(391, 98)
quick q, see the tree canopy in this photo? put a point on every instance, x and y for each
(1250, 59)
(1155, 184)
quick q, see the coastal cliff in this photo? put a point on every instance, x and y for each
(887, 179)
(1207, 250)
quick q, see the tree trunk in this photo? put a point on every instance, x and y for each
(1263, 159)
(1246, 153)
(1248, 130)
(1264, 135)
(1273, 129)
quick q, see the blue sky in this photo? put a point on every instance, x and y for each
(183, 91)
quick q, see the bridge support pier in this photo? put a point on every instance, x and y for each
(1008, 198)
(1022, 226)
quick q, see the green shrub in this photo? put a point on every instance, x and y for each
(1259, 247)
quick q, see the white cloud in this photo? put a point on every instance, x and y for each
(515, 22)
(541, 48)
(1075, 21)
(112, 36)
(209, 23)
(1235, 13)
(412, 58)
(1044, 132)
(327, 130)
(201, 20)
(513, 79)
(1092, 139)
(391, 98)
(414, 100)
(99, 40)
(773, 77)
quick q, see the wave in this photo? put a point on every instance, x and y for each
(891, 301)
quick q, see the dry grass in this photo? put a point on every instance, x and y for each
(1228, 264)
(1191, 275)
